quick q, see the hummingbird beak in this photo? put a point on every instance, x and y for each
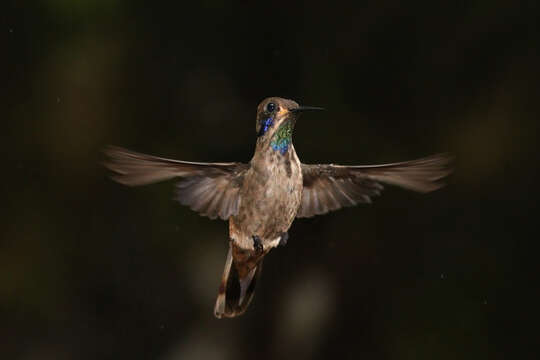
(306, 108)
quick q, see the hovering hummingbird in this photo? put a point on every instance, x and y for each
(261, 199)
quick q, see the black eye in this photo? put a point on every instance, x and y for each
(270, 107)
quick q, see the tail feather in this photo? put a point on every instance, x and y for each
(235, 293)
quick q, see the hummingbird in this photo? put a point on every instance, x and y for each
(262, 198)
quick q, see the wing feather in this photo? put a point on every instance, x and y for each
(211, 189)
(331, 187)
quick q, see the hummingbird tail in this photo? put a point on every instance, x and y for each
(235, 293)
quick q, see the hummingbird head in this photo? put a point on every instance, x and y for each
(276, 118)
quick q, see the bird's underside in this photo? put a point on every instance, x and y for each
(237, 192)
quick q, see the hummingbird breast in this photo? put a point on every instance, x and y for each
(270, 197)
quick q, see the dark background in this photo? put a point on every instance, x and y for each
(90, 269)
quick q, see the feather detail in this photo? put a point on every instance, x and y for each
(331, 187)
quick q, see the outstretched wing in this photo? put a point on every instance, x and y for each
(211, 189)
(331, 187)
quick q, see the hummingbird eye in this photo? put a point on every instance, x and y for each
(270, 107)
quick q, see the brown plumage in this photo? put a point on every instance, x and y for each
(331, 187)
(261, 199)
(211, 189)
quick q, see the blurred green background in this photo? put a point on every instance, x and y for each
(93, 270)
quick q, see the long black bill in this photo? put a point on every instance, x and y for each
(306, 108)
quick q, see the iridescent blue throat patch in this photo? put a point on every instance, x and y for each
(266, 124)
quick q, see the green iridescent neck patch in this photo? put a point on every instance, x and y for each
(283, 137)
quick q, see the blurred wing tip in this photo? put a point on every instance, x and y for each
(444, 158)
(432, 186)
(442, 174)
(123, 180)
(112, 150)
(112, 166)
(442, 154)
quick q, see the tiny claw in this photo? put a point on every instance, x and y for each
(284, 239)
(257, 244)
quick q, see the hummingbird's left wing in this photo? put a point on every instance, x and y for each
(211, 189)
(331, 187)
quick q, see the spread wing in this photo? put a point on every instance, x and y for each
(211, 189)
(331, 187)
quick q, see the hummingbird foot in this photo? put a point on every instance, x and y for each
(283, 239)
(257, 244)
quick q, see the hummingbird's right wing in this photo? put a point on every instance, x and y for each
(211, 189)
(331, 187)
